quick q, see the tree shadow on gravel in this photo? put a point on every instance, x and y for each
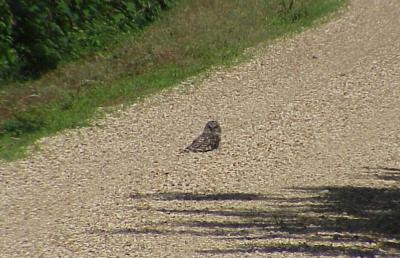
(352, 221)
(199, 197)
(386, 173)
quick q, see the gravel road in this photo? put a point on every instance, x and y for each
(310, 127)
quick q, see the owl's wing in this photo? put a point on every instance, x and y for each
(205, 142)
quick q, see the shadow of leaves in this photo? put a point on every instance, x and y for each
(351, 221)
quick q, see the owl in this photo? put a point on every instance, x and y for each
(208, 140)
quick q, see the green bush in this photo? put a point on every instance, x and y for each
(36, 36)
(7, 53)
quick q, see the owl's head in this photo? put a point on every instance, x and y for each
(213, 127)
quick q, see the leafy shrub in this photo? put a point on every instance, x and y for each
(7, 53)
(37, 35)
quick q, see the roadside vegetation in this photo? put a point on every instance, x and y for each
(183, 41)
(36, 36)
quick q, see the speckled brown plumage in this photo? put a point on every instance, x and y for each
(207, 141)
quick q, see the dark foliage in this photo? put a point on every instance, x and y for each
(36, 36)
(7, 53)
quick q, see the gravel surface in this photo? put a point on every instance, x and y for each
(312, 113)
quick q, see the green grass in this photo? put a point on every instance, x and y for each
(185, 41)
